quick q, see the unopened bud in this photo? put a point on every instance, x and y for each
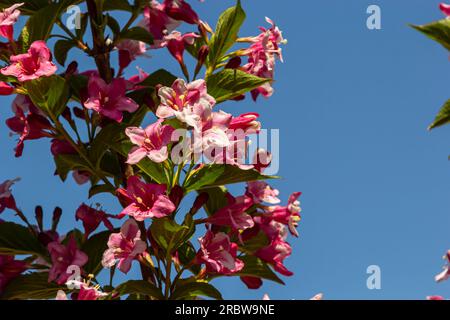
(234, 63)
(199, 202)
(57, 213)
(39, 215)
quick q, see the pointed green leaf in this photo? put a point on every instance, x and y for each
(140, 287)
(438, 31)
(16, 239)
(443, 116)
(33, 286)
(192, 290)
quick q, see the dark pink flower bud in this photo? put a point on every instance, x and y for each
(180, 10)
(57, 213)
(252, 282)
(79, 113)
(199, 202)
(233, 63)
(39, 215)
(5, 89)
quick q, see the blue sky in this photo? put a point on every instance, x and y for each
(352, 106)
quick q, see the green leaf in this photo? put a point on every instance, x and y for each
(215, 175)
(34, 286)
(170, 235)
(122, 5)
(161, 76)
(139, 34)
(226, 33)
(50, 94)
(443, 116)
(216, 200)
(16, 239)
(194, 289)
(255, 267)
(101, 188)
(62, 48)
(230, 83)
(140, 287)
(94, 248)
(41, 22)
(438, 31)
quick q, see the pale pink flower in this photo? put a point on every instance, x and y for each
(218, 253)
(8, 17)
(288, 215)
(445, 274)
(261, 191)
(188, 102)
(62, 257)
(34, 64)
(150, 142)
(109, 100)
(124, 247)
(145, 200)
(318, 296)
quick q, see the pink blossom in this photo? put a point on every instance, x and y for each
(124, 247)
(151, 142)
(8, 17)
(5, 89)
(34, 64)
(129, 50)
(261, 57)
(445, 8)
(219, 254)
(180, 10)
(438, 298)
(176, 43)
(234, 214)
(252, 282)
(10, 269)
(187, 102)
(445, 274)
(145, 200)
(288, 215)
(81, 177)
(275, 253)
(109, 99)
(261, 191)
(158, 23)
(28, 122)
(6, 198)
(246, 122)
(62, 257)
(85, 292)
(261, 160)
(92, 218)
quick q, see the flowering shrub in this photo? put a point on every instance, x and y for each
(440, 32)
(148, 141)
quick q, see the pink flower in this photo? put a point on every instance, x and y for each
(109, 100)
(151, 142)
(92, 218)
(62, 257)
(28, 122)
(158, 23)
(445, 8)
(124, 247)
(261, 191)
(275, 253)
(5, 89)
(288, 215)
(180, 10)
(218, 253)
(445, 274)
(435, 298)
(60, 147)
(261, 160)
(85, 292)
(129, 50)
(176, 43)
(34, 64)
(81, 177)
(8, 17)
(145, 200)
(6, 198)
(9, 269)
(234, 214)
(246, 122)
(187, 102)
(261, 57)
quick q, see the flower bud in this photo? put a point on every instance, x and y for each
(57, 213)
(199, 202)
(78, 112)
(234, 63)
(39, 214)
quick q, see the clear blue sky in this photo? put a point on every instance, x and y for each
(352, 106)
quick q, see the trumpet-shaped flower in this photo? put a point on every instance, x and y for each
(151, 142)
(6, 198)
(92, 218)
(124, 247)
(62, 257)
(445, 8)
(34, 64)
(8, 17)
(176, 43)
(145, 200)
(218, 253)
(234, 214)
(445, 274)
(289, 215)
(275, 253)
(109, 100)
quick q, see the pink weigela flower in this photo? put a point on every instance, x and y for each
(145, 200)
(109, 100)
(8, 17)
(445, 8)
(124, 247)
(9, 269)
(150, 142)
(34, 64)
(6, 198)
(92, 218)
(176, 44)
(180, 10)
(234, 214)
(218, 253)
(445, 274)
